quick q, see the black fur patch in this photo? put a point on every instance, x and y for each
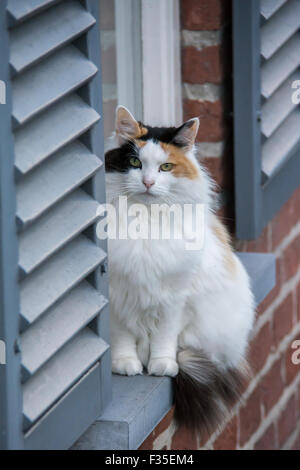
(203, 404)
(118, 159)
(161, 134)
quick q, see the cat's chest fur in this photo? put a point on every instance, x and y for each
(149, 272)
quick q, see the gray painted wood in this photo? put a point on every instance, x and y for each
(261, 268)
(97, 188)
(61, 426)
(266, 60)
(64, 295)
(277, 69)
(269, 7)
(55, 228)
(49, 183)
(23, 10)
(277, 148)
(276, 109)
(45, 135)
(60, 373)
(139, 403)
(48, 335)
(247, 98)
(47, 284)
(53, 28)
(66, 70)
(280, 28)
(283, 183)
(10, 390)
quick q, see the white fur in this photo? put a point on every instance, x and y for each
(164, 297)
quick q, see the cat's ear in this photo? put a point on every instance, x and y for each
(126, 126)
(187, 133)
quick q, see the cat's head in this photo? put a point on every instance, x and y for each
(152, 162)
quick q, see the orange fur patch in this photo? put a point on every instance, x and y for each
(183, 167)
(223, 236)
(140, 143)
(143, 131)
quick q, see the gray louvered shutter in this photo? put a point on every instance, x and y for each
(267, 122)
(57, 146)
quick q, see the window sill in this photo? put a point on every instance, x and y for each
(139, 403)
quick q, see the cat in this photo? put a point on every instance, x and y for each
(182, 313)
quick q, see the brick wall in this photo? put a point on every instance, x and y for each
(269, 416)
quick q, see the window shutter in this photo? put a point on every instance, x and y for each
(57, 143)
(266, 63)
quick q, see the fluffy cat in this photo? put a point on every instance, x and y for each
(176, 312)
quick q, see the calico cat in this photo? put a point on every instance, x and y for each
(182, 313)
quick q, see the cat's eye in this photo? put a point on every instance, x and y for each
(166, 166)
(135, 162)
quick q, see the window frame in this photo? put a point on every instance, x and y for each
(256, 202)
(161, 51)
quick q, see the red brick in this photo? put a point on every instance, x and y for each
(260, 347)
(262, 244)
(202, 66)
(296, 445)
(283, 223)
(283, 319)
(250, 417)
(267, 440)
(291, 258)
(211, 119)
(271, 387)
(184, 439)
(160, 428)
(227, 440)
(214, 166)
(204, 14)
(287, 421)
(298, 302)
(274, 292)
(292, 370)
(286, 218)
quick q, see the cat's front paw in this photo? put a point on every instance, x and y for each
(163, 366)
(127, 366)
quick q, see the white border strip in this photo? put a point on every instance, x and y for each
(161, 62)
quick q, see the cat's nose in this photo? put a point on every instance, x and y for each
(148, 183)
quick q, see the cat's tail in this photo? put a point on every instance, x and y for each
(203, 393)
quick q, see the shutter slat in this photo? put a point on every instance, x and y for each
(48, 335)
(45, 135)
(54, 229)
(57, 276)
(278, 107)
(269, 7)
(280, 66)
(277, 148)
(66, 70)
(60, 373)
(53, 180)
(280, 28)
(21, 11)
(53, 28)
